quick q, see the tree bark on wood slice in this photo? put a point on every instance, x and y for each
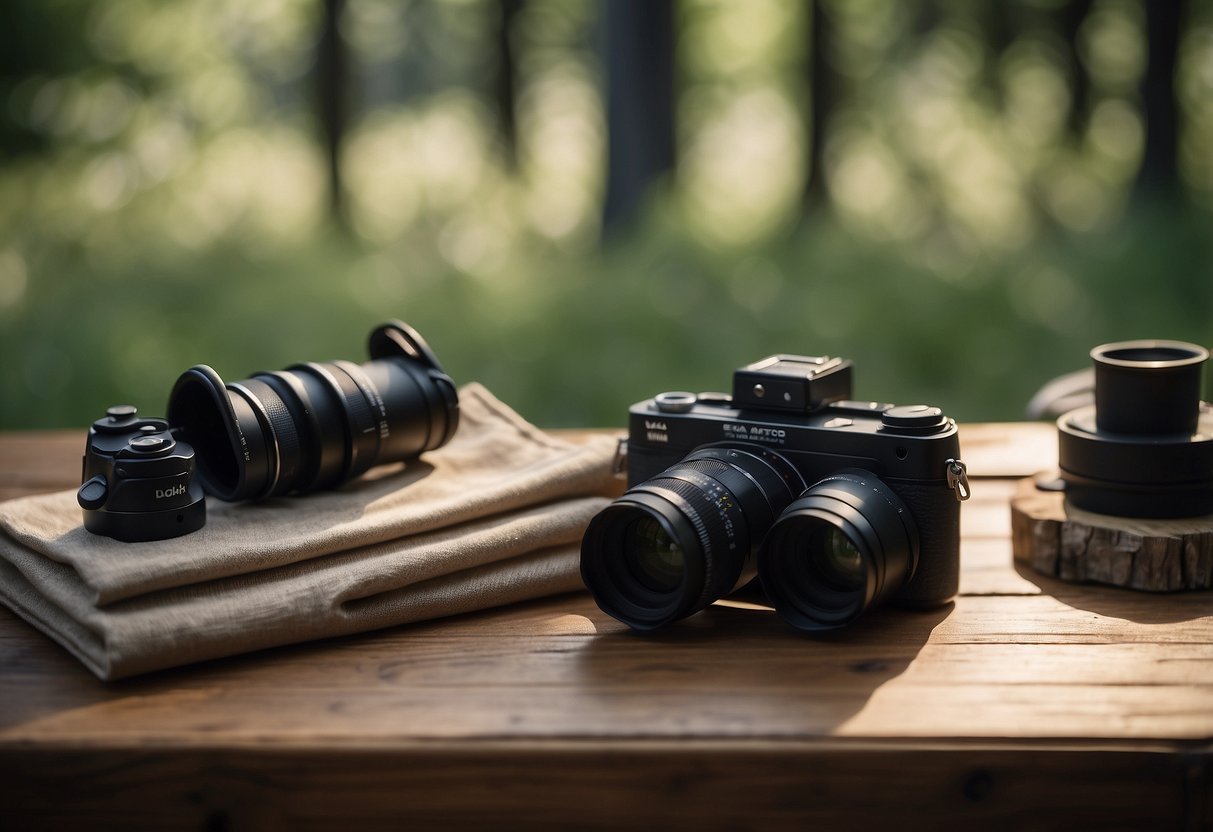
(1061, 541)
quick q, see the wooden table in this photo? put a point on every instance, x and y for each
(1027, 703)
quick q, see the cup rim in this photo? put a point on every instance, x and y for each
(1191, 354)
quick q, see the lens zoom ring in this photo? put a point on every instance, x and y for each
(356, 407)
(707, 466)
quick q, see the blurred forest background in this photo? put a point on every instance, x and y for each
(583, 203)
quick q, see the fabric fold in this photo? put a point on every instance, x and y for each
(493, 517)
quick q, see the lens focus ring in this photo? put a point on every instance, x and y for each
(362, 435)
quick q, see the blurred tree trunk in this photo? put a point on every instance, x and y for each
(332, 79)
(505, 81)
(1073, 16)
(1158, 178)
(639, 46)
(823, 91)
(1001, 30)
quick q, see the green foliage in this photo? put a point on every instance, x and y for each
(572, 339)
(162, 203)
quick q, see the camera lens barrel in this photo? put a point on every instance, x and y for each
(316, 425)
(677, 542)
(845, 545)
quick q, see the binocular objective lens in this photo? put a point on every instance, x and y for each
(653, 557)
(837, 558)
(674, 544)
(842, 547)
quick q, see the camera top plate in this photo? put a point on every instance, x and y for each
(910, 442)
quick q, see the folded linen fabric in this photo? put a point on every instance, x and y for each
(494, 517)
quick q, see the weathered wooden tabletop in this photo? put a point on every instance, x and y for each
(1027, 703)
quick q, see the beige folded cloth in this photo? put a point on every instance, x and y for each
(493, 517)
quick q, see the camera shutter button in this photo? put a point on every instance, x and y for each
(121, 412)
(120, 418)
(151, 443)
(93, 494)
(676, 402)
(913, 417)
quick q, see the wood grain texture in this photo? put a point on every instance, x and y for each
(33, 462)
(1057, 539)
(645, 785)
(1029, 702)
(1022, 666)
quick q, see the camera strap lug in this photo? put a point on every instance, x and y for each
(958, 479)
(619, 465)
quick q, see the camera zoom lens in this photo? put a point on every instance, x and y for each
(844, 546)
(679, 541)
(316, 425)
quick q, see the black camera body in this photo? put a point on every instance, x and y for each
(137, 480)
(796, 413)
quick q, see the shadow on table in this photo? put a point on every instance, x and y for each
(740, 670)
(1117, 602)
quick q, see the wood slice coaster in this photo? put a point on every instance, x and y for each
(1061, 541)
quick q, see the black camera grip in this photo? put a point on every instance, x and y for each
(937, 513)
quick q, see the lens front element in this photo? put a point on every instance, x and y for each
(653, 557)
(837, 559)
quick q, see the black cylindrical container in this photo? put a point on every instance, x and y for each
(1145, 448)
(1148, 387)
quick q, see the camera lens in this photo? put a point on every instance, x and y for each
(841, 564)
(679, 541)
(844, 546)
(316, 425)
(654, 559)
